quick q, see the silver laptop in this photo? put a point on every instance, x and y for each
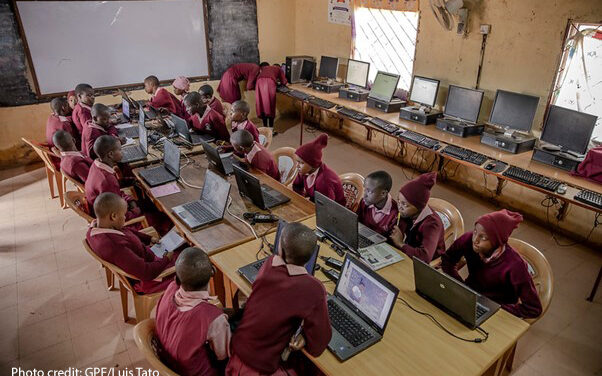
(181, 128)
(138, 152)
(168, 171)
(359, 309)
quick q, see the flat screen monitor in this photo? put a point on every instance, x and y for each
(328, 67)
(357, 73)
(424, 90)
(463, 103)
(308, 69)
(569, 129)
(513, 110)
(384, 86)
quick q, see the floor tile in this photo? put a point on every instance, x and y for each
(8, 275)
(9, 340)
(76, 275)
(99, 344)
(88, 292)
(117, 361)
(8, 296)
(58, 356)
(41, 308)
(36, 267)
(30, 289)
(91, 317)
(43, 334)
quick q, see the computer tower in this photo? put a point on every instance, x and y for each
(556, 159)
(459, 128)
(385, 106)
(513, 145)
(293, 68)
(354, 94)
(414, 114)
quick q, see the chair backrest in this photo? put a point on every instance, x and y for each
(265, 136)
(80, 187)
(540, 271)
(123, 276)
(148, 344)
(77, 202)
(353, 187)
(287, 164)
(453, 222)
(43, 152)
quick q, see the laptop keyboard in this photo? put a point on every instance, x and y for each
(131, 153)
(481, 310)
(129, 132)
(158, 175)
(199, 212)
(346, 325)
(259, 264)
(363, 242)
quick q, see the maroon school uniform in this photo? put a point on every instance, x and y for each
(211, 123)
(380, 220)
(262, 160)
(75, 165)
(424, 237)
(91, 132)
(217, 106)
(247, 125)
(130, 251)
(323, 180)
(82, 113)
(265, 92)
(228, 87)
(164, 99)
(61, 123)
(283, 296)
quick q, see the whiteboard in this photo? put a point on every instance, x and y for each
(112, 43)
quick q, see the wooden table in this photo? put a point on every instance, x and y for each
(412, 344)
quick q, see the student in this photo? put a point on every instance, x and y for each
(190, 328)
(377, 209)
(60, 120)
(181, 86)
(239, 113)
(161, 99)
(82, 110)
(420, 231)
(284, 296)
(208, 99)
(72, 99)
(73, 163)
(205, 119)
(99, 125)
(265, 93)
(314, 175)
(495, 269)
(228, 88)
(126, 248)
(254, 153)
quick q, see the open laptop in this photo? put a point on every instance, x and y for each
(262, 196)
(134, 153)
(341, 225)
(167, 172)
(359, 309)
(211, 206)
(249, 272)
(221, 162)
(460, 301)
(181, 128)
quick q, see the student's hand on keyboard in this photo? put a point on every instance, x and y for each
(297, 343)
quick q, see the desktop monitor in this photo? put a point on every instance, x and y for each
(424, 91)
(328, 67)
(513, 110)
(357, 73)
(384, 86)
(569, 129)
(463, 103)
(308, 70)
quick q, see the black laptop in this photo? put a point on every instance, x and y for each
(221, 162)
(167, 172)
(262, 196)
(134, 153)
(181, 128)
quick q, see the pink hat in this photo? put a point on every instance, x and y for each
(181, 83)
(499, 225)
(418, 191)
(311, 152)
(71, 93)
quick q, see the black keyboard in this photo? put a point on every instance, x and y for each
(384, 125)
(321, 102)
(531, 178)
(130, 132)
(298, 94)
(198, 211)
(363, 242)
(346, 325)
(259, 264)
(481, 310)
(465, 155)
(157, 175)
(429, 143)
(412, 136)
(130, 153)
(590, 198)
(355, 115)
(282, 89)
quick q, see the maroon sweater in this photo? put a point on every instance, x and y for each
(505, 280)
(327, 183)
(75, 165)
(61, 123)
(212, 123)
(425, 237)
(263, 160)
(164, 99)
(365, 215)
(81, 115)
(280, 301)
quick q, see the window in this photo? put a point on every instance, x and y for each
(386, 39)
(578, 84)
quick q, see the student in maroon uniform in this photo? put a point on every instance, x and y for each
(314, 175)
(99, 125)
(208, 99)
(73, 163)
(205, 119)
(420, 231)
(377, 209)
(72, 99)
(284, 296)
(192, 330)
(239, 113)
(265, 92)
(82, 110)
(60, 121)
(181, 86)
(126, 248)
(258, 156)
(228, 87)
(495, 269)
(161, 99)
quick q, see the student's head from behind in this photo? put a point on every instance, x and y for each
(193, 269)
(193, 103)
(63, 141)
(377, 186)
(181, 85)
(110, 210)
(206, 92)
(239, 111)
(151, 84)
(298, 243)
(242, 141)
(108, 149)
(493, 230)
(264, 64)
(414, 195)
(60, 106)
(72, 99)
(101, 115)
(85, 94)
(309, 155)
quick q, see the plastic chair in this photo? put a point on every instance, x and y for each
(78, 185)
(450, 216)
(265, 136)
(52, 173)
(287, 164)
(148, 344)
(353, 186)
(76, 200)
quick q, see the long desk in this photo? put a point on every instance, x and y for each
(412, 344)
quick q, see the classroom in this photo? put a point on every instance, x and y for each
(301, 187)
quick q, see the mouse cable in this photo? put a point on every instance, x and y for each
(240, 219)
(433, 319)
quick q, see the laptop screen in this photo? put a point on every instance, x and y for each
(310, 265)
(215, 192)
(125, 107)
(143, 138)
(171, 157)
(336, 220)
(180, 126)
(141, 118)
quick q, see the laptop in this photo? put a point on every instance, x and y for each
(167, 172)
(181, 128)
(125, 115)
(452, 296)
(134, 153)
(221, 162)
(359, 309)
(262, 196)
(133, 104)
(341, 225)
(211, 206)
(249, 272)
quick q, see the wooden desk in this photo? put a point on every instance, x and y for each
(412, 344)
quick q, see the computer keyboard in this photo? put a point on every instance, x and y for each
(531, 178)
(384, 125)
(363, 242)
(355, 115)
(321, 102)
(198, 211)
(130, 153)
(429, 143)
(259, 264)
(465, 155)
(412, 136)
(481, 310)
(298, 94)
(343, 323)
(282, 89)
(129, 132)
(156, 175)
(590, 198)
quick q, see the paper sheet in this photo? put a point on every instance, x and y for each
(124, 125)
(378, 256)
(129, 141)
(165, 189)
(168, 243)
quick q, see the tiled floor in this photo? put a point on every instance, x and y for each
(55, 311)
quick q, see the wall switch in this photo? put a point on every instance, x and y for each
(485, 29)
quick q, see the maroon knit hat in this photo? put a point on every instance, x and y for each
(499, 225)
(311, 152)
(71, 93)
(418, 191)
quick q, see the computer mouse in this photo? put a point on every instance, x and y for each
(490, 166)
(561, 189)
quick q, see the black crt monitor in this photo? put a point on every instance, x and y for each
(384, 86)
(513, 110)
(171, 157)
(463, 103)
(569, 129)
(357, 73)
(336, 221)
(424, 90)
(329, 67)
(308, 70)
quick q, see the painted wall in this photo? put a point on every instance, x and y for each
(275, 20)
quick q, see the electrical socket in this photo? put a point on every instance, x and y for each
(485, 29)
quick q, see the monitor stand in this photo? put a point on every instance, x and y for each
(423, 114)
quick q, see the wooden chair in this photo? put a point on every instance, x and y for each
(453, 222)
(353, 186)
(265, 136)
(148, 344)
(52, 173)
(287, 164)
(79, 186)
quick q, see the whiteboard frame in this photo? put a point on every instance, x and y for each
(32, 69)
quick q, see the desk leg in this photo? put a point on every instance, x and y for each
(498, 189)
(499, 367)
(562, 211)
(301, 127)
(219, 288)
(440, 168)
(592, 295)
(368, 134)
